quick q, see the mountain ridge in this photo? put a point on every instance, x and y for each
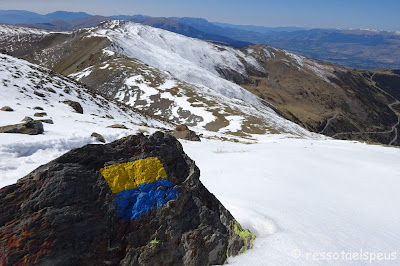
(303, 90)
(337, 46)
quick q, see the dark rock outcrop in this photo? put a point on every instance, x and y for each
(75, 105)
(30, 127)
(6, 109)
(103, 205)
(98, 137)
(183, 132)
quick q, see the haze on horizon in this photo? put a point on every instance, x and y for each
(382, 15)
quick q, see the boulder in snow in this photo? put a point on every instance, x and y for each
(32, 127)
(39, 94)
(75, 105)
(27, 119)
(98, 137)
(40, 114)
(118, 126)
(183, 132)
(6, 109)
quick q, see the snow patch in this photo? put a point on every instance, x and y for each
(235, 124)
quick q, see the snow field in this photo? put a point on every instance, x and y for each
(309, 195)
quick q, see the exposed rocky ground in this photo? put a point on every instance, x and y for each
(76, 210)
(335, 101)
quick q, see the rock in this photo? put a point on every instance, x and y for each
(183, 132)
(40, 114)
(118, 126)
(6, 109)
(75, 105)
(181, 128)
(38, 108)
(47, 121)
(39, 94)
(27, 118)
(82, 209)
(99, 137)
(31, 127)
(51, 90)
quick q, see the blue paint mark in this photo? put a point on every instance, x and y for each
(133, 203)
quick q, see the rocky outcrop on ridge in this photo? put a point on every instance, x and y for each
(135, 201)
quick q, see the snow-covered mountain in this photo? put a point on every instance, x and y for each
(218, 88)
(29, 89)
(190, 60)
(179, 79)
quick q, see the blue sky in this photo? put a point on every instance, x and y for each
(377, 14)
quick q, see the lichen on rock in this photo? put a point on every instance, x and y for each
(247, 236)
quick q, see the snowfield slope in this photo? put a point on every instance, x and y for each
(302, 196)
(29, 90)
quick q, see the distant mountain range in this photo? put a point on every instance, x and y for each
(367, 49)
(27, 17)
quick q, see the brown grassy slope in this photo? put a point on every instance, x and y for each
(326, 98)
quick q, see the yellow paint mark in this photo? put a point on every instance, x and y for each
(123, 176)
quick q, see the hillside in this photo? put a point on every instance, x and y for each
(174, 25)
(177, 78)
(133, 63)
(332, 100)
(43, 95)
